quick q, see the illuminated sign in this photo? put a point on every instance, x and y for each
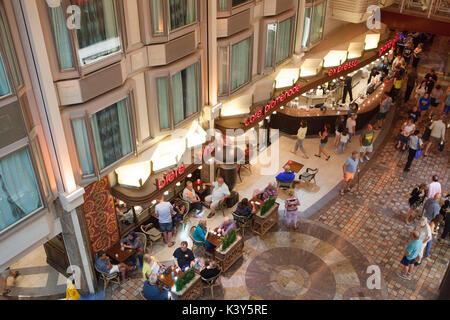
(343, 67)
(170, 177)
(389, 45)
(270, 106)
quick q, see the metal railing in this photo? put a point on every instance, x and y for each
(428, 8)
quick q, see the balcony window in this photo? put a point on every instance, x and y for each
(224, 5)
(19, 191)
(111, 134)
(8, 57)
(61, 37)
(179, 13)
(279, 50)
(184, 88)
(234, 66)
(313, 23)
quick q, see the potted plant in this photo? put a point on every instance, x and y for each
(182, 281)
(229, 239)
(267, 206)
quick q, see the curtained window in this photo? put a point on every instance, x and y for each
(313, 23)
(234, 66)
(157, 15)
(222, 5)
(19, 191)
(163, 103)
(284, 40)
(5, 89)
(270, 43)
(112, 134)
(61, 37)
(98, 36)
(182, 13)
(185, 93)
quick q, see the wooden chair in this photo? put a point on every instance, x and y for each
(195, 243)
(108, 277)
(309, 175)
(152, 234)
(143, 238)
(284, 185)
(243, 222)
(187, 215)
(211, 283)
(247, 166)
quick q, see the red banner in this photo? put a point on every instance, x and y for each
(99, 212)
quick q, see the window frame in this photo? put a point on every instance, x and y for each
(230, 42)
(78, 69)
(231, 10)
(10, 149)
(312, 4)
(290, 14)
(168, 73)
(84, 112)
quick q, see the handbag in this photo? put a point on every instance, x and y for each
(418, 151)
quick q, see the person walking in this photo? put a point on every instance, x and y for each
(351, 126)
(385, 106)
(417, 55)
(419, 91)
(446, 230)
(424, 103)
(323, 135)
(407, 129)
(410, 83)
(339, 128)
(350, 168)
(437, 134)
(343, 141)
(301, 135)
(4, 280)
(436, 96)
(431, 207)
(366, 142)
(414, 145)
(431, 78)
(424, 235)
(447, 102)
(434, 226)
(347, 88)
(410, 255)
(434, 187)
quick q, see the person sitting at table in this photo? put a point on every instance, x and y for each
(209, 270)
(201, 233)
(268, 192)
(190, 196)
(152, 291)
(133, 242)
(149, 265)
(103, 264)
(227, 225)
(220, 193)
(184, 257)
(179, 207)
(286, 176)
(244, 209)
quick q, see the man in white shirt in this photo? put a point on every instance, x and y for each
(437, 133)
(434, 187)
(164, 211)
(351, 126)
(219, 193)
(190, 196)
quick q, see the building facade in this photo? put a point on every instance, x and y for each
(91, 91)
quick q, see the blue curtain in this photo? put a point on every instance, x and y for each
(4, 85)
(19, 192)
(61, 35)
(82, 144)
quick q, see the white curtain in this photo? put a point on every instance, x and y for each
(4, 84)
(97, 142)
(191, 11)
(19, 192)
(191, 90)
(317, 21)
(124, 127)
(10, 51)
(271, 31)
(223, 5)
(284, 40)
(177, 97)
(163, 103)
(240, 63)
(61, 36)
(82, 144)
(223, 70)
(306, 27)
(157, 13)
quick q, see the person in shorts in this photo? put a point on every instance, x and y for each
(350, 168)
(103, 264)
(291, 205)
(366, 141)
(4, 277)
(164, 212)
(411, 253)
(385, 106)
(219, 193)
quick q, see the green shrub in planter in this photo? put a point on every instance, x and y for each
(184, 279)
(267, 205)
(229, 239)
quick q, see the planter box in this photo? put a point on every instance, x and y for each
(262, 224)
(228, 257)
(192, 291)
